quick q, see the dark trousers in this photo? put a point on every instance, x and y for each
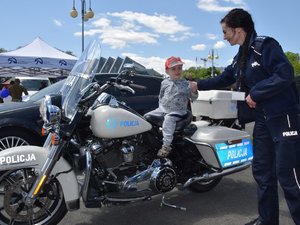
(277, 159)
(16, 100)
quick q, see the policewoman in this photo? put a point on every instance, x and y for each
(262, 70)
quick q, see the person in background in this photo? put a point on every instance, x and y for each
(43, 85)
(16, 90)
(1, 98)
(174, 95)
(269, 79)
(5, 94)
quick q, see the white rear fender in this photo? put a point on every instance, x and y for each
(34, 156)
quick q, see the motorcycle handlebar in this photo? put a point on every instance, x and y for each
(127, 83)
(125, 88)
(137, 86)
(96, 90)
(119, 83)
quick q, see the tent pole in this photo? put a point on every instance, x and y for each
(82, 23)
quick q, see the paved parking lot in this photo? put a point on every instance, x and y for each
(232, 202)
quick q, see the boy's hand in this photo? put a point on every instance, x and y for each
(193, 86)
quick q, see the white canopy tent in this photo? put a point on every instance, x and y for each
(36, 59)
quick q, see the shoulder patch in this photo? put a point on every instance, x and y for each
(257, 46)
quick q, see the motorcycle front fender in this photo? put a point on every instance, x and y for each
(35, 157)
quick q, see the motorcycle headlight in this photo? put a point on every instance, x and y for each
(50, 113)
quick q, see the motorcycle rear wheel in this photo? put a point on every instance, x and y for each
(204, 186)
(49, 207)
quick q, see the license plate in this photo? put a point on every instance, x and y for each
(230, 155)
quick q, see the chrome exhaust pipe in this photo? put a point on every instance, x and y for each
(211, 176)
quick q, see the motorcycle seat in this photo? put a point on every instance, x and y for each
(180, 124)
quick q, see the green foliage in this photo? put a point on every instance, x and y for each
(204, 73)
(199, 73)
(294, 59)
(70, 53)
(2, 50)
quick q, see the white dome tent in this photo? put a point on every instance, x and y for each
(36, 59)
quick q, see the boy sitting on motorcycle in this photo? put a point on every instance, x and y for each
(174, 95)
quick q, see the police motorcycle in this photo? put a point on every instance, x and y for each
(114, 161)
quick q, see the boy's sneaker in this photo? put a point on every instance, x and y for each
(255, 222)
(164, 151)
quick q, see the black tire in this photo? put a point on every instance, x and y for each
(204, 186)
(49, 208)
(16, 137)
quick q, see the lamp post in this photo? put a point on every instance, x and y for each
(204, 61)
(85, 16)
(212, 57)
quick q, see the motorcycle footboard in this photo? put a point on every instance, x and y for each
(129, 196)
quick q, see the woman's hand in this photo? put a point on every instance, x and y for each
(250, 102)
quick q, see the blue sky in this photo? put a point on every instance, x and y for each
(148, 31)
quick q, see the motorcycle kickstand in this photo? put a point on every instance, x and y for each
(164, 203)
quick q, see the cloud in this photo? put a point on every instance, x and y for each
(199, 47)
(219, 45)
(153, 62)
(102, 22)
(57, 23)
(220, 5)
(156, 63)
(158, 23)
(120, 38)
(212, 36)
(183, 37)
(122, 29)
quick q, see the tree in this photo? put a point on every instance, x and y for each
(70, 53)
(294, 59)
(199, 73)
(2, 50)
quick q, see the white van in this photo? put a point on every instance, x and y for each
(33, 84)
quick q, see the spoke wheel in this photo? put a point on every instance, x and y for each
(13, 137)
(48, 208)
(12, 141)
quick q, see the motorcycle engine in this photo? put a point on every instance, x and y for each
(163, 179)
(159, 177)
(115, 153)
(130, 166)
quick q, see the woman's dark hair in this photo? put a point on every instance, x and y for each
(241, 18)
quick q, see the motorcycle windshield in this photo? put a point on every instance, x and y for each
(79, 78)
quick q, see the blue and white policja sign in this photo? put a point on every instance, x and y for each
(232, 154)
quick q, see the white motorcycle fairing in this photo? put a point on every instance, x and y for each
(35, 157)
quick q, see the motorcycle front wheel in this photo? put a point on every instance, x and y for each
(47, 209)
(204, 186)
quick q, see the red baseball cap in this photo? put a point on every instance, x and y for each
(173, 61)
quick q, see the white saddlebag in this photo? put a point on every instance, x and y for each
(223, 147)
